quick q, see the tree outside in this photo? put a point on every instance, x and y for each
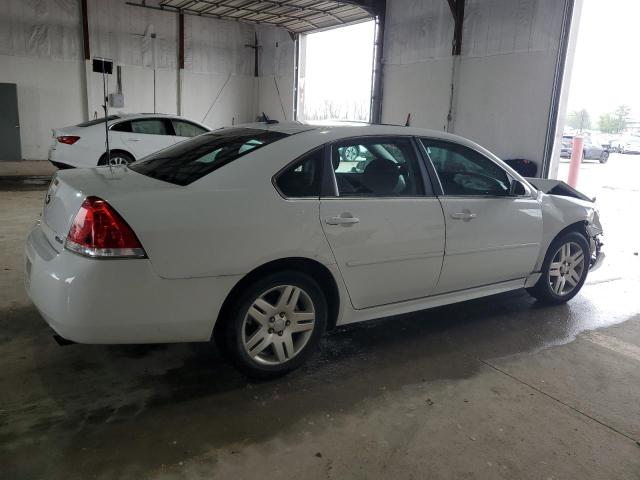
(615, 122)
(579, 120)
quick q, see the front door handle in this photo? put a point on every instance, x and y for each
(133, 139)
(464, 215)
(344, 219)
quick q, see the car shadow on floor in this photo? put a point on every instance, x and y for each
(190, 392)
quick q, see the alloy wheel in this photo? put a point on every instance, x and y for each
(566, 269)
(278, 325)
(118, 160)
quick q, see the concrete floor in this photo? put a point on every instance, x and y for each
(493, 388)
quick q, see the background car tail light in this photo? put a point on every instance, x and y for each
(98, 231)
(68, 139)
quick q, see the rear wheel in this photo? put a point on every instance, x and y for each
(564, 269)
(275, 325)
(116, 158)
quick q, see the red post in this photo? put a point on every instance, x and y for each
(576, 160)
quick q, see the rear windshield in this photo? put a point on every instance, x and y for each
(192, 159)
(97, 121)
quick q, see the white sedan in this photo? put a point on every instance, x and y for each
(131, 137)
(263, 236)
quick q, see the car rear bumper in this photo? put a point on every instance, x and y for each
(118, 301)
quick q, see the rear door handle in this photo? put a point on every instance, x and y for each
(463, 216)
(133, 139)
(342, 220)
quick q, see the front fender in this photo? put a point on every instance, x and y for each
(560, 212)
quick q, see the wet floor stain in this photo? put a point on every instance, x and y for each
(24, 182)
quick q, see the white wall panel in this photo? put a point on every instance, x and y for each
(218, 100)
(214, 46)
(276, 69)
(417, 30)
(502, 103)
(50, 94)
(44, 29)
(503, 80)
(421, 89)
(124, 34)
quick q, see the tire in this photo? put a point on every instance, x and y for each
(604, 157)
(262, 336)
(117, 158)
(571, 279)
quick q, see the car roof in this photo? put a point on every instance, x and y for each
(133, 116)
(350, 129)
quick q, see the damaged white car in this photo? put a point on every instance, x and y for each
(263, 236)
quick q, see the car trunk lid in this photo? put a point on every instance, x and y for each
(69, 188)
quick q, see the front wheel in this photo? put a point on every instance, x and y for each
(275, 325)
(564, 269)
(604, 157)
(116, 158)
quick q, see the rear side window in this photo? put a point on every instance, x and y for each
(192, 159)
(150, 126)
(304, 177)
(377, 168)
(97, 121)
(186, 129)
(121, 127)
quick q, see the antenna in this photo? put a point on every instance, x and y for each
(408, 122)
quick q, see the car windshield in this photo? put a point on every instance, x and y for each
(190, 160)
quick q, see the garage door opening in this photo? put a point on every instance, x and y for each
(604, 110)
(335, 74)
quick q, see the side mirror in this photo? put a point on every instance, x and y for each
(517, 189)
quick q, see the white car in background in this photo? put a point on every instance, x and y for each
(263, 236)
(632, 146)
(131, 137)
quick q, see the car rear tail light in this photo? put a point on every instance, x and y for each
(98, 231)
(68, 139)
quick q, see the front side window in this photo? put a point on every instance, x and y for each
(150, 126)
(186, 129)
(463, 171)
(194, 158)
(304, 177)
(377, 167)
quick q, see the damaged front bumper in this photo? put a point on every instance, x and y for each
(597, 254)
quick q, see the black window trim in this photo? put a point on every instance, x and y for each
(429, 191)
(279, 173)
(433, 171)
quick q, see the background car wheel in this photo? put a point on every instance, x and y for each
(275, 325)
(116, 158)
(604, 156)
(564, 269)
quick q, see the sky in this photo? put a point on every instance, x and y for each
(606, 71)
(339, 71)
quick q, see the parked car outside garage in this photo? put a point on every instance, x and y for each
(257, 236)
(131, 137)
(632, 146)
(592, 149)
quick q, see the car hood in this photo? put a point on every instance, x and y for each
(558, 188)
